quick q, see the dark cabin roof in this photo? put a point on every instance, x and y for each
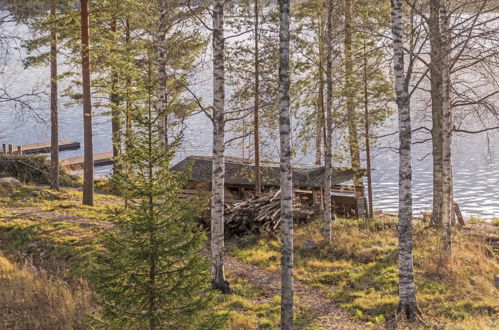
(240, 172)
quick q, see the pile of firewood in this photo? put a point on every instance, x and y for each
(261, 214)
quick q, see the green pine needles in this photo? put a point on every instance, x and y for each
(151, 273)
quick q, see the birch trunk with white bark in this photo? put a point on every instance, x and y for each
(329, 125)
(218, 169)
(287, 287)
(353, 138)
(436, 109)
(447, 200)
(161, 36)
(407, 287)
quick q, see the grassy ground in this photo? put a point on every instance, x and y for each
(359, 270)
(350, 284)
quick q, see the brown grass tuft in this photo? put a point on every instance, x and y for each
(31, 299)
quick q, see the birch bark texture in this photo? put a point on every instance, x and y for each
(320, 132)
(88, 151)
(436, 109)
(218, 167)
(54, 116)
(287, 287)
(161, 36)
(447, 200)
(256, 119)
(328, 161)
(353, 138)
(407, 287)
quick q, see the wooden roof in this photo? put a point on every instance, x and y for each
(241, 172)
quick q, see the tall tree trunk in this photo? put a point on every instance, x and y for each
(258, 187)
(54, 120)
(88, 153)
(328, 161)
(407, 287)
(115, 111)
(128, 107)
(161, 36)
(287, 289)
(353, 139)
(367, 133)
(447, 201)
(320, 132)
(436, 109)
(218, 170)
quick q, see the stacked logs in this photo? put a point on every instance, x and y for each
(261, 214)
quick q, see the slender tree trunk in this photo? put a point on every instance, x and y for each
(320, 132)
(407, 286)
(258, 187)
(436, 109)
(54, 120)
(88, 153)
(328, 161)
(128, 107)
(128, 115)
(115, 111)
(447, 201)
(353, 138)
(161, 36)
(287, 289)
(218, 170)
(367, 133)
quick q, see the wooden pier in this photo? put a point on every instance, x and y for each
(39, 148)
(44, 147)
(102, 159)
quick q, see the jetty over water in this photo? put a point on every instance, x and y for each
(39, 148)
(102, 159)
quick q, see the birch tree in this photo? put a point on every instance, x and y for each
(218, 167)
(353, 139)
(329, 124)
(287, 289)
(448, 200)
(436, 108)
(161, 35)
(407, 286)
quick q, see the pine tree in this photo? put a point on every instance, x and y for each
(151, 273)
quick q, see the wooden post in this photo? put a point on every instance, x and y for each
(19, 150)
(11, 148)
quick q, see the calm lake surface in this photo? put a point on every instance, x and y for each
(476, 157)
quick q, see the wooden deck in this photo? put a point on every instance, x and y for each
(102, 159)
(44, 147)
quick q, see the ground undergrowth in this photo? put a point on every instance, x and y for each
(357, 273)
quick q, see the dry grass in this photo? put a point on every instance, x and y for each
(31, 299)
(359, 271)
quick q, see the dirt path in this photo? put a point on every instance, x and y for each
(327, 313)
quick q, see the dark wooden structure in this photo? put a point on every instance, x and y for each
(307, 180)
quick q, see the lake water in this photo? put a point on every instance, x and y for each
(476, 157)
